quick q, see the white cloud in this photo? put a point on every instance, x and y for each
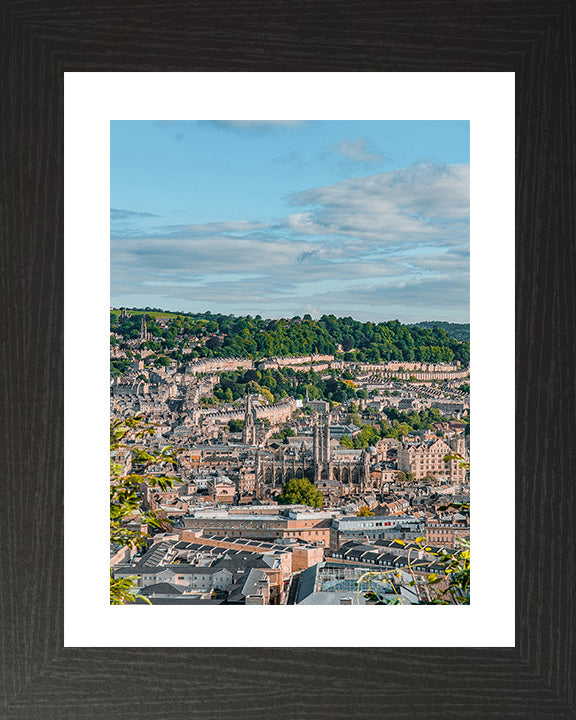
(404, 206)
(359, 151)
(215, 228)
(117, 214)
(380, 241)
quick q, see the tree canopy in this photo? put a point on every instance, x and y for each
(300, 491)
(217, 335)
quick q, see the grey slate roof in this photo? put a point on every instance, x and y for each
(246, 586)
(182, 600)
(162, 588)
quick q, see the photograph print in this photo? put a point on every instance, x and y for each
(290, 362)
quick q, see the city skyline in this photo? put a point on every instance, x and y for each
(361, 219)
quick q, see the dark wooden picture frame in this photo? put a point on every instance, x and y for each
(39, 41)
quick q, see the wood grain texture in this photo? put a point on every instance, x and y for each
(39, 41)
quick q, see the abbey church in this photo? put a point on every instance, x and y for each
(335, 470)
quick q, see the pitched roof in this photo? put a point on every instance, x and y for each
(162, 588)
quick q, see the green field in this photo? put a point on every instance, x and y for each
(149, 313)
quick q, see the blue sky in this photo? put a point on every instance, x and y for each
(368, 219)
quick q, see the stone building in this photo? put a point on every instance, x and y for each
(427, 458)
(204, 365)
(336, 470)
(445, 530)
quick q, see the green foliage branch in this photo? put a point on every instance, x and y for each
(450, 586)
(125, 494)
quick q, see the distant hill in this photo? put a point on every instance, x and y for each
(150, 313)
(216, 335)
(459, 331)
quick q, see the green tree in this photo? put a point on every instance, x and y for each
(313, 392)
(267, 394)
(355, 419)
(300, 491)
(367, 436)
(125, 494)
(285, 433)
(119, 366)
(364, 512)
(235, 425)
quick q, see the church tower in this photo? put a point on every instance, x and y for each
(258, 477)
(144, 335)
(458, 444)
(365, 472)
(326, 439)
(249, 429)
(322, 462)
(316, 441)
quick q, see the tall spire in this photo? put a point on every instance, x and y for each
(249, 429)
(143, 329)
